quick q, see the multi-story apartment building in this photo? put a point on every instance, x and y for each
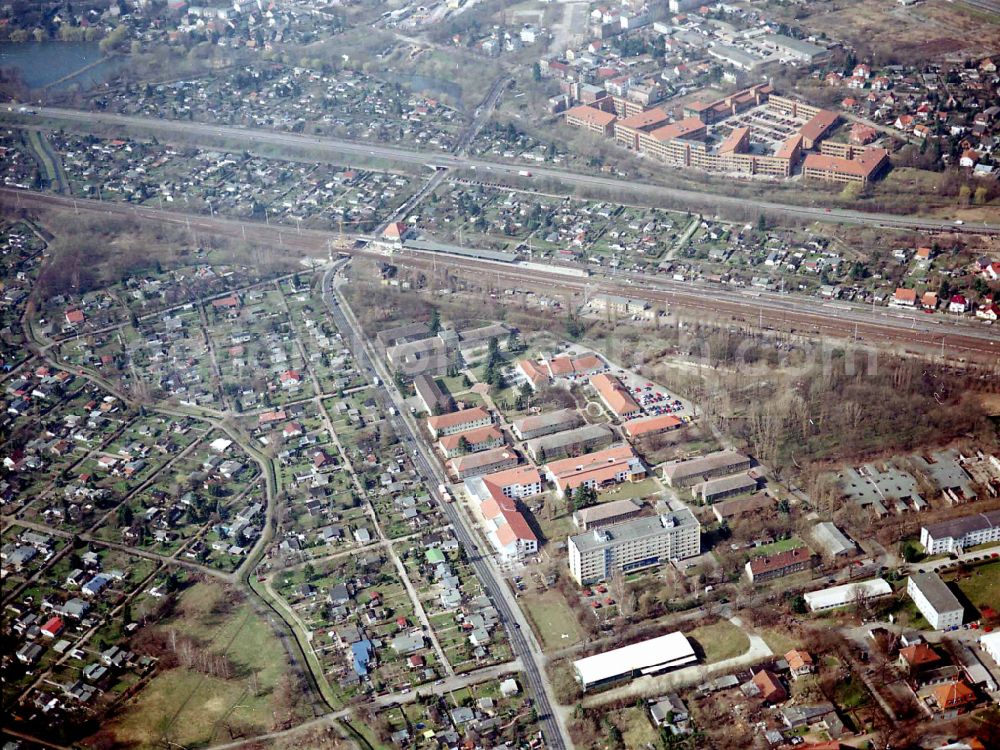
(961, 533)
(935, 601)
(590, 118)
(459, 421)
(640, 543)
(470, 441)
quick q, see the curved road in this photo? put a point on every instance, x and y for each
(171, 129)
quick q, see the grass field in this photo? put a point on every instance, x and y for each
(778, 641)
(720, 640)
(187, 707)
(552, 618)
(637, 731)
(982, 586)
(629, 490)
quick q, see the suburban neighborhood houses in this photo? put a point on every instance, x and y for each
(476, 375)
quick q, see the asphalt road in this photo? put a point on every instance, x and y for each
(950, 335)
(510, 615)
(658, 195)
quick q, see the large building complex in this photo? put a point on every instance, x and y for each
(934, 599)
(595, 470)
(690, 143)
(505, 526)
(640, 543)
(646, 657)
(961, 533)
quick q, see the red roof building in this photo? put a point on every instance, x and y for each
(53, 627)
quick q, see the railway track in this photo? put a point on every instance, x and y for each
(784, 313)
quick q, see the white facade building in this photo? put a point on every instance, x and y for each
(639, 543)
(934, 600)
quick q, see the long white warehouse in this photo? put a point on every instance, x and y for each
(646, 657)
(841, 596)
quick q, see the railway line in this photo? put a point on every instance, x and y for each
(312, 147)
(880, 327)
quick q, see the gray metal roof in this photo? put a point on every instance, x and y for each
(936, 592)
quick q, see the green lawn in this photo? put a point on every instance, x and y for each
(720, 640)
(552, 618)
(850, 693)
(779, 642)
(629, 490)
(636, 728)
(982, 585)
(190, 708)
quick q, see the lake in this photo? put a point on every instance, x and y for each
(43, 63)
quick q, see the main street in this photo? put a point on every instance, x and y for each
(313, 147)
(951, 336)
(392, 404)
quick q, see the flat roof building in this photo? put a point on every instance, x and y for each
(646, 657)
(797, 49)
(639, 543)
(939, 606)
(736, 57)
